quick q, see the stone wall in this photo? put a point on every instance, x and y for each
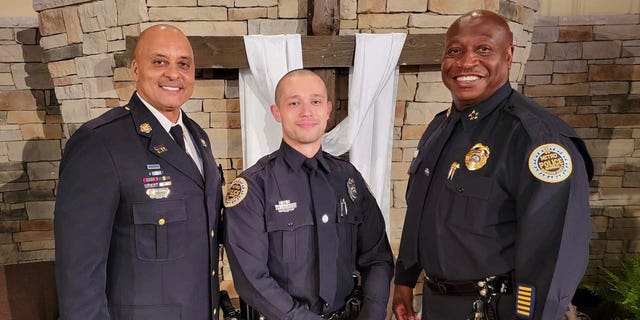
(30, 135)
(586, 69)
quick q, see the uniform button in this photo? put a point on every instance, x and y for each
(290, 224)
(161, 221)
(325, 218)
(213, 233)
(215, 311)
(461, 189)
(427, 172)
(213, 273)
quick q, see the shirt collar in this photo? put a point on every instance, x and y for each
(295, 159)
(473, 115)
(164, 121)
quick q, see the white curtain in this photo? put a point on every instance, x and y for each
(368, 129)
(367, 132)
(270, 58)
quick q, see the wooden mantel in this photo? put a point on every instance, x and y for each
(317, 51)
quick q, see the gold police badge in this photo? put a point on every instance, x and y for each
(550, 163)
(351, 189)
(477, 157)
(145, 128)
(236, 193)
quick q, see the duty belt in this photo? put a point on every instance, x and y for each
(499, 284)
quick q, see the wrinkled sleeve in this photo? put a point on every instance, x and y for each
(552, 244)
(247, 247)
(87, 200)
(374, 259)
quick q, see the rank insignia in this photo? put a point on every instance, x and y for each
(204, 143)
(449, 111)
(160, 149)
(145, 128)
(474, 115)
(127, 108)
(236, 193)
(452, 170)
(550, 163)
(525, 301)
(158, 193)
(477, 157)
(286, 206)
(351, 189)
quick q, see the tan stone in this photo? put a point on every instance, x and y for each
(9, 133)
(226, 143)
(70, 92)
(429, 76)
(94, 43)
(11, 53)
(66, 81)
(51, 22)
(545, 34)
(536, 52)
(601, 49)
(6, 79)
(599, 223)
(172, 3)
(609, 148)
(582, 121)
(537, 80)
(42, 171)
(37, 245)
(607, 19)
(412, 132)
(94, 16)
(272, 12)
(348, 24)
(8, 252)
(577, 89)
(407, 6)
(118, 45)
(223, 3)
(214, 105)
(618, 120)
(563, 51)
(72, 24)
(609, 182)
(75, 111)
(395, 20)
(538, 68)
(132, 30)
(95, 65)
(202, 28)
(460, 7)
(41, 131)
(614, 72)
(255, 3)
(575, 34)
(635, 88)
(272, 27)
(39, 210)
(6, 34)
(187, 13)
(21, 117)
(205, 89)
(433, 92)
(17, 100)
(292, 8)
(102, 87)
(348, 9)
(36, 150)
(114, 33)
(616, 32)
(570, 66)
(125, 90)
(247, 13)
(423, 113)
(62, 68)
(369, 6)
(604, 88)
(407, 86)
(33, 235)
(225, 120)
(399, 170)
(122, 74)
(31, 76)
(131, 11)
(564, 78)
(430, 20)
(54, 41)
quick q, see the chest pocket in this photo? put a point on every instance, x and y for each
(469, 195)
(160, 229)
(413, 168)
(290, 233)
(349, 219)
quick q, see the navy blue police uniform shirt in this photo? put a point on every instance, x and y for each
(508, 192)
(136, 222)
(270, 238)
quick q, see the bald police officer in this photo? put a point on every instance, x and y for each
(301, 221)
(139, 200)
(498, 210)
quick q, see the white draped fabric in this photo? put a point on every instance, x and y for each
(270, 58)
(367, 132)
(368, 129)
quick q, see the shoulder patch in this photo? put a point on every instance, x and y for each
(236, 193)
(550, 163)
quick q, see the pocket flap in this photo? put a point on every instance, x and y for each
(151, 212)
(471, 185)
(286, 221)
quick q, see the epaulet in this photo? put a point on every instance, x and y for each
(260, 164)
(107, 117)
(329, 155)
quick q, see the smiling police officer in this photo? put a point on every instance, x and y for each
(300, 221)
(498, 210)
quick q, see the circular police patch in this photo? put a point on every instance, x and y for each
(550, 163)
(236, 193)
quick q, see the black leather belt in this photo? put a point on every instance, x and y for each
(336, 315)
(502, 284)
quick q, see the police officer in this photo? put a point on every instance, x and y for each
(300, 221)
(498, 211)
(139, 200)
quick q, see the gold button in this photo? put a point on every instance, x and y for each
(215, 311)
(161, 221)
(212, 233)
(213, 273)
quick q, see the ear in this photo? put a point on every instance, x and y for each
(329, 108)
(134, 70)
(509, 54)
(275, 111)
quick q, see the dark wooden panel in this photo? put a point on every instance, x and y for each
(317, 51)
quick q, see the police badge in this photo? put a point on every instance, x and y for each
(477, 157)
(351, 189)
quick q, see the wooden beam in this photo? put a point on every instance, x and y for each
(317, 51)
(323, 17)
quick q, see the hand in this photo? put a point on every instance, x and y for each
(403, 303)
